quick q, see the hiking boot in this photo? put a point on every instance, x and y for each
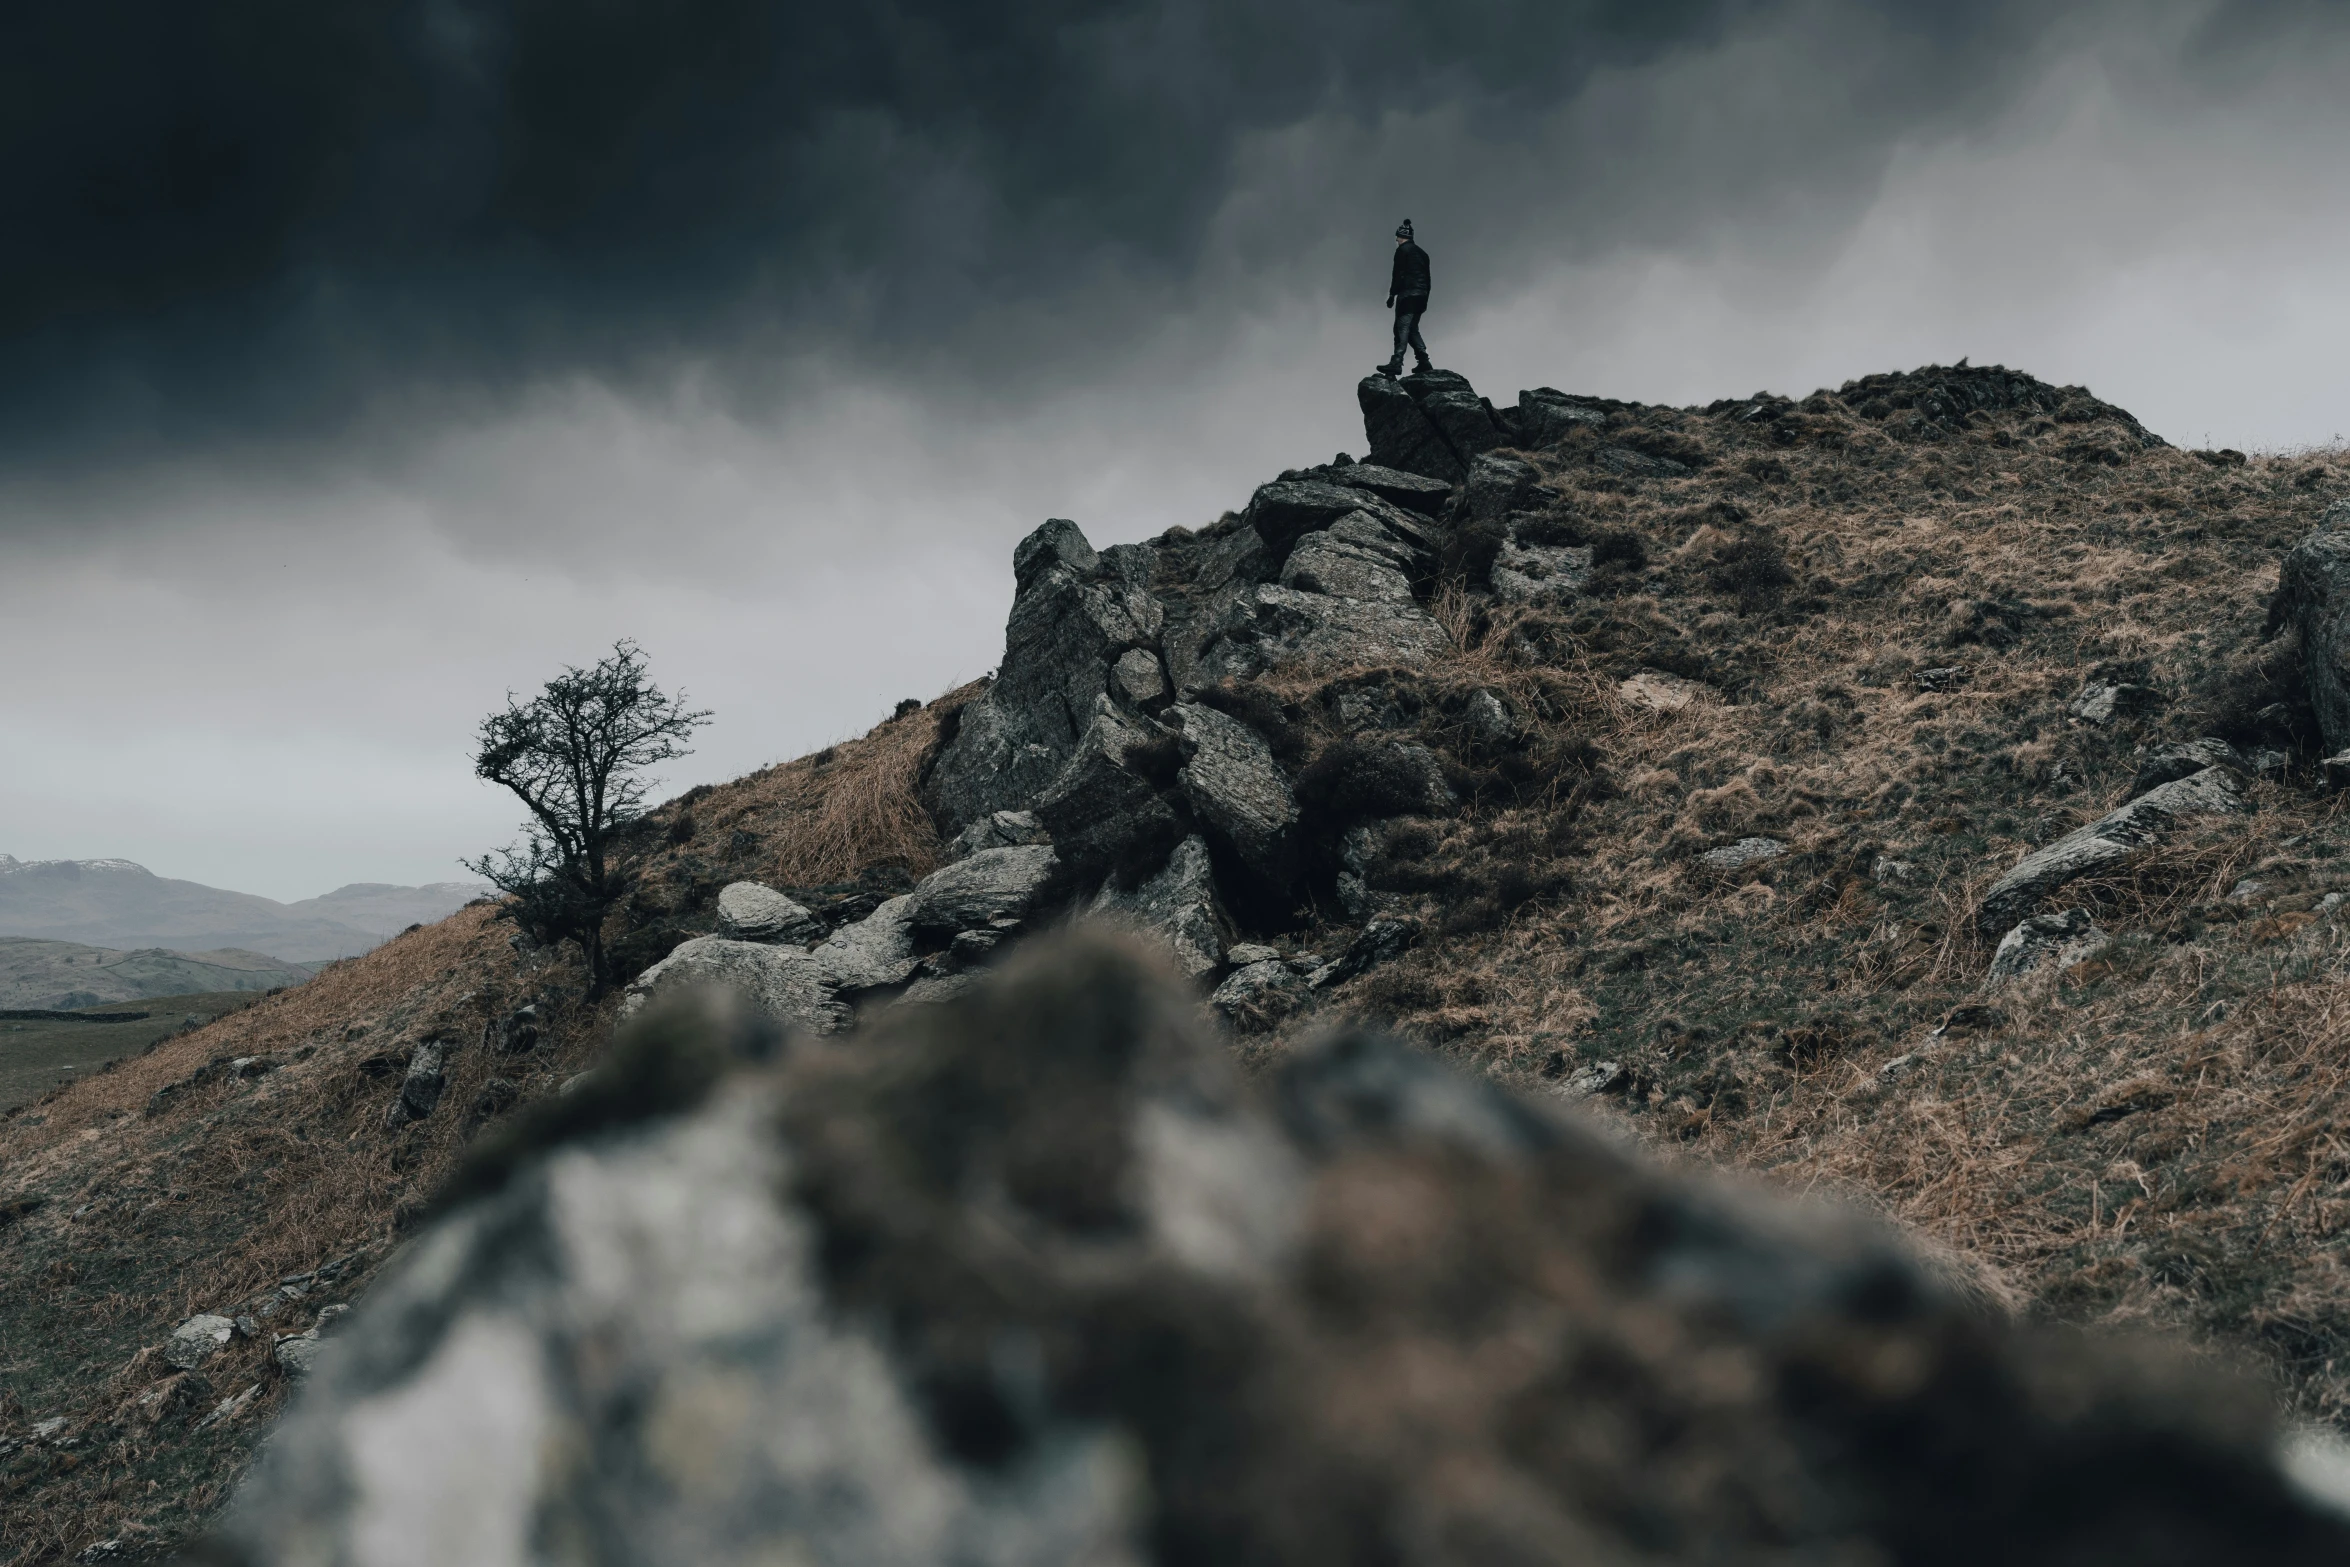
(1391, 369)
(1424, 367)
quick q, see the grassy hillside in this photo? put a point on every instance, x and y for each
(1852, 625)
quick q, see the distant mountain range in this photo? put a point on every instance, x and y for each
(125, 906)
(68, 975)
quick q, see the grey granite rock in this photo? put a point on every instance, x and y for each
(990, 886)
(1539, 574)
(2045, 941)
(2110, 840)
(1285, 511)
(1547, 416)
(1071, 621)
(1178, 908)
(1458, 413)
(1342, 568)
(875, 953)
(796, 989)
(1746, 851)
(1137, 678)
(1401, 434)
(1236, 789)
(297, 1354)
(1412, 491)
(998, 830)
(1102, 813)
(420, 1088)
(2101, 702)
(2173, 762)
(2313, 598)
(1056, 542)
(1260, 995)
(1381, 941)
(1498, 486)
(1271, 625)
(748, 911)
(198, 1339)
(1491, 721)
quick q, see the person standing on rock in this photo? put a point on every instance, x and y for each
(1407, 291)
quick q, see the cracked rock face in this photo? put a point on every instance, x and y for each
(1237, 790)
(1178, 908)
(1036, 1276)
(1076, 614)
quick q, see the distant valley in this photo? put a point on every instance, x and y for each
(65, 975)
(126, 907)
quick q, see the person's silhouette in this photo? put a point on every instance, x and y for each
(1407, 291)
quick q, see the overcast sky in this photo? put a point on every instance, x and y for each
(359, 362)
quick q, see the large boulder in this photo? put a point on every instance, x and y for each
(1104, 811)
(1464, 419)
(2313, 597)
(2170, 763)
(1547, 416)
(998, 830)
(1074, 615)
(1040, 1276)
(793, 988)
(1270, 625)
(1412, 491)
(1238, 792)
(748, 911)
(1401, 435)
(1178, 908)
(2105, 843)
(421, 1086)
(876, 953)
(990, 886)
(1284, 512)
(1345, 568)
(198, 1339)
(1498, 486)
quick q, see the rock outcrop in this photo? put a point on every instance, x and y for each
(1075, 613)
(2107, 842)
(2313, 597)
(1034, 1276)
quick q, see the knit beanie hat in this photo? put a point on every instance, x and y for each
(1405, 231)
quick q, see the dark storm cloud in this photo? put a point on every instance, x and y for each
(249, 217)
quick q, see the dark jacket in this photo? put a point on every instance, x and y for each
(1411, 272)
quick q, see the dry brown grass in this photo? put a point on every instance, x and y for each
(149, 1215)
(824, 818)
(2154, 1138)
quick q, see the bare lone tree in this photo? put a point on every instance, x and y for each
(571, 755)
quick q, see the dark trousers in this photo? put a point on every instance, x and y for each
(1408, 311)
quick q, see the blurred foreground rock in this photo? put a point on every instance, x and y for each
(1033, 1276)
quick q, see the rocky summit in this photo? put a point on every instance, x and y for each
(1292, 1066)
